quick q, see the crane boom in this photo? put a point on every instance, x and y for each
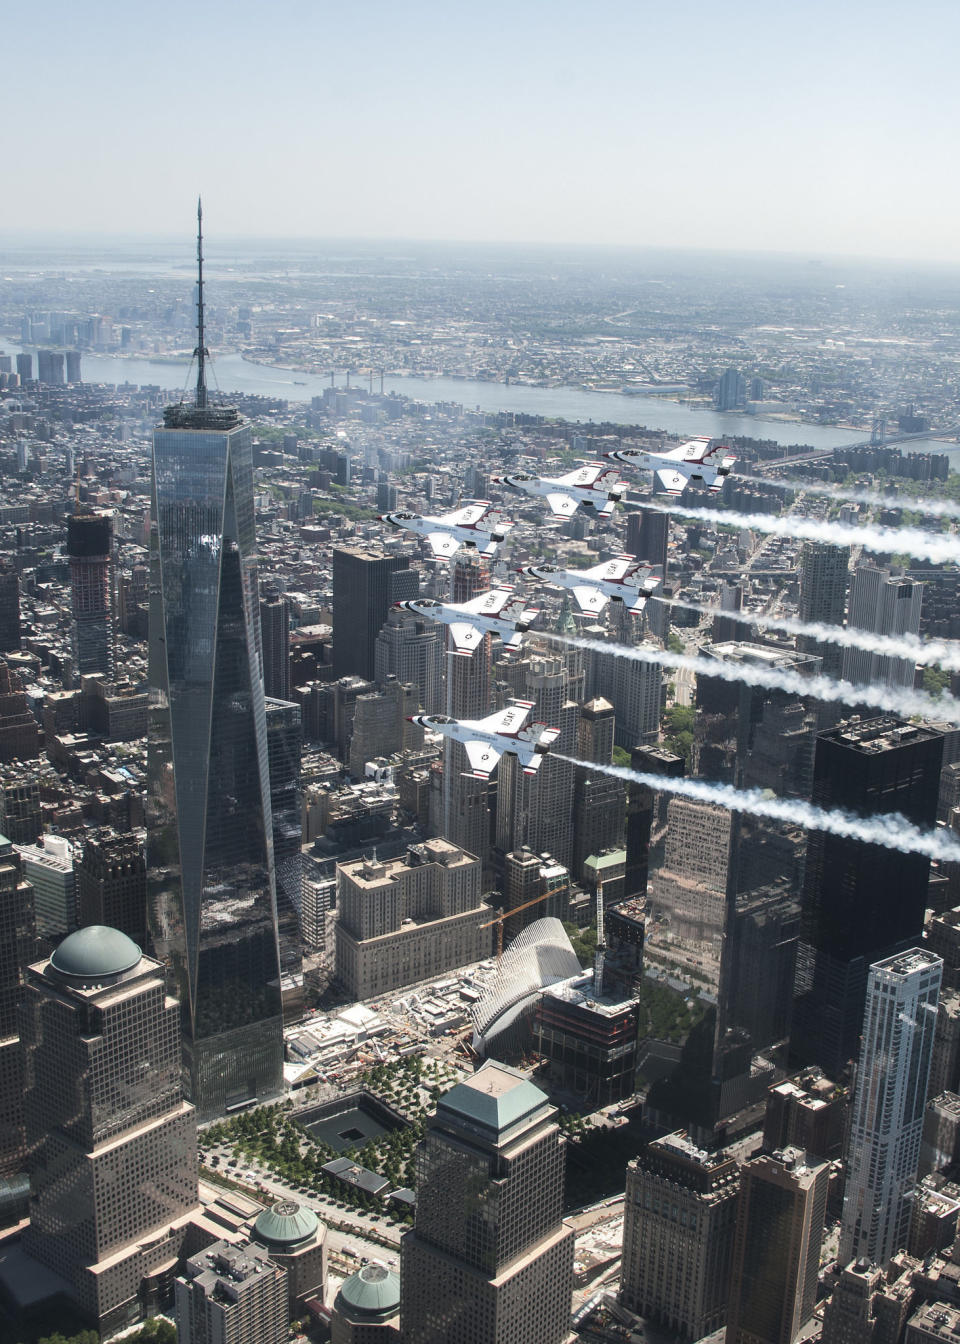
(503, 915)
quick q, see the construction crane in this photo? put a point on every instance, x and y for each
(504, 915)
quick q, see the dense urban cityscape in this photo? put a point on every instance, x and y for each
(478, 867)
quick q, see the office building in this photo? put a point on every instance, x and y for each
(275, 636)
(489, 1257)
(232, 1293)
(599, 800)
(18, 937)
(465, 802)
(883, 1144)
(634, 688)
(366, 1310)
(111, 880)
(211, 883)
(284, 750)
(19, 734)
(806, 1112)
(679, 1214)
(646, 814)
(776, 1247)
(407, 919)
(50, 368)
(48, 867)
(588, 1035)
(90, 546)
(940, 1136)
(294, 1238)
(366, 583)
(868, 1306)
(410, 649)
(537, 810)
(648, 532)
(861, 902)
(823, 598)
(21, 816)
(25, 368)
(534, 881)
(73, 366)
(112, 1143)
(730, 393)
(9, 608)
(882, 605)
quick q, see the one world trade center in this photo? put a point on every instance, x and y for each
(211, 878)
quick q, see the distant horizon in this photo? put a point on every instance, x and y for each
(215, 241)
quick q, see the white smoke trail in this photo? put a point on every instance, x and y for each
(933, 508)
(891, 699)
(942, 651)
(890, 829)
(939, 549)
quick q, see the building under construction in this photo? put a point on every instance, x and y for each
(590, 1040)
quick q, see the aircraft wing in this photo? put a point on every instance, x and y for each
(607, 507)
(589, 598)
(465, 637)
(508, 721)
(639, 602)
(674, 482)
(612, 570)
(582, 476)
(565, 506)
(467, 516)
(483, 758)
(489, 604)
(443, 543)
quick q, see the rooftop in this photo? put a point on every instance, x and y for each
(495, 1097)
(374, 1290)
(286, 1224)
(95, 953)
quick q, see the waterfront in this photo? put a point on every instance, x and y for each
(233, 374)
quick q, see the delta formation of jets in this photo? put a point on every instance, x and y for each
(486, 740)
(477, 524)
(500, 612)
(694, 460)
(594, 485)
(624, 579)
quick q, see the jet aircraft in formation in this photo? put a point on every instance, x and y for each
(500, 612)
(477, 524)
(486, 740)
(594, 485)
(694, 460)
(624, 579)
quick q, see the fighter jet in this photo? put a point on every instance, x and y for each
(477, 524)
(624, 579)
(487, 739)
(501, 612)
(694, 460)
(594, 485)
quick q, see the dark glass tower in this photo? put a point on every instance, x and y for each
(365, 586)
(211, 887)
(860, 902)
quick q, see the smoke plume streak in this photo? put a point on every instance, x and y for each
(889, 699)
(933, 508)
(890, 829)
(938, 548)
(942, 651)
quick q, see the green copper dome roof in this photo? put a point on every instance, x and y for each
(374, 1290)
(95, 954)
(286, 1224)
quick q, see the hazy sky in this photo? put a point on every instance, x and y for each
(816, 127)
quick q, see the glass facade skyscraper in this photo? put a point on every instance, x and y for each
(211, 883)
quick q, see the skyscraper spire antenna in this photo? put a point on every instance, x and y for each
(201, 353)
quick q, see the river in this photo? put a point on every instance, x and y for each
(232, 373)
